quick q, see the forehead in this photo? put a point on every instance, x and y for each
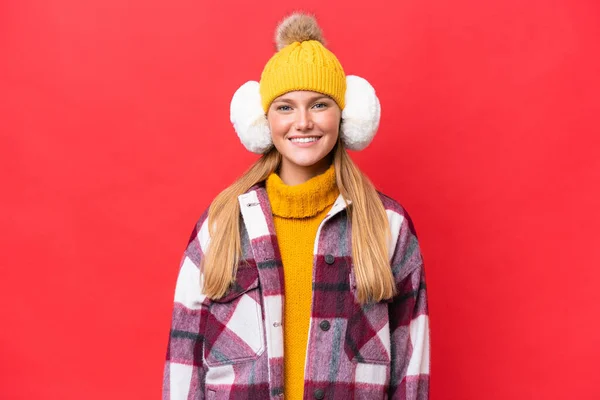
(301, 95)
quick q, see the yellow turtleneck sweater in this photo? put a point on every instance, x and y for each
(297, 212)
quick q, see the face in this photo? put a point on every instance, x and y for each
(305, 128)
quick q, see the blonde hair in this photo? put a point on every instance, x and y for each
(370, 229)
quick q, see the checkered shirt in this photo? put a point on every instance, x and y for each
(232, 348)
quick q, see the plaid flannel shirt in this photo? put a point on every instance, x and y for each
(232, 348)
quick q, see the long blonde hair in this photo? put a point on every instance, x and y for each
(370, 228)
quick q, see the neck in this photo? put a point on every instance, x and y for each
(304, 200)
(292, 174)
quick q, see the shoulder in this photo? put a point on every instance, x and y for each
(403, 246)
(200, 234)
(390, 204)
(199, 238)
(397, 214)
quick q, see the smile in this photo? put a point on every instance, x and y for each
(304, 139)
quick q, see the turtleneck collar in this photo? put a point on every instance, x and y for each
(304, 200)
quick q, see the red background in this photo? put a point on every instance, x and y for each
(115, 136)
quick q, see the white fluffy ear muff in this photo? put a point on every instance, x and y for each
(360, 117)
(249, 119)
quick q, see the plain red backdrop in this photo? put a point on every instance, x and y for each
(115, 136)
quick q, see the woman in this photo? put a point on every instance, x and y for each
(301, 280)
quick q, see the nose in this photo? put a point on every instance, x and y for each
(303, 120)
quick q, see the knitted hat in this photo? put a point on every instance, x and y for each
(303, 63)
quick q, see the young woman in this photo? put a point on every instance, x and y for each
(301, 280)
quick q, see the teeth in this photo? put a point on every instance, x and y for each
(304, 140)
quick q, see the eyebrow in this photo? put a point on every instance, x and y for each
(310, 100)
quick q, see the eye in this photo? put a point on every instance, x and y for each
(283, 108)
(320, 105)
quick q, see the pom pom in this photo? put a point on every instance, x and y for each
(297, 27)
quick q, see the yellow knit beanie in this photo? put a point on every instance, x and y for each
(302, 63)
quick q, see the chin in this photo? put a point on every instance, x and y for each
(306, 161)
(306, 164)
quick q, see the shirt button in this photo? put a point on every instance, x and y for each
(329, 259)
(325, 325)
(319, 394)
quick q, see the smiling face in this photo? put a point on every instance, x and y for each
(305, 128)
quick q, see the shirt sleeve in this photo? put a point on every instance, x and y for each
(409, 321)
(184, 369)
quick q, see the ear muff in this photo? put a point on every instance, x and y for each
(360, 117)
(249, 119)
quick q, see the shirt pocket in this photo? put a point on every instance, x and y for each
(234, 330)
(367, 337)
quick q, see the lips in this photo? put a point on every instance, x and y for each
(310, 139)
